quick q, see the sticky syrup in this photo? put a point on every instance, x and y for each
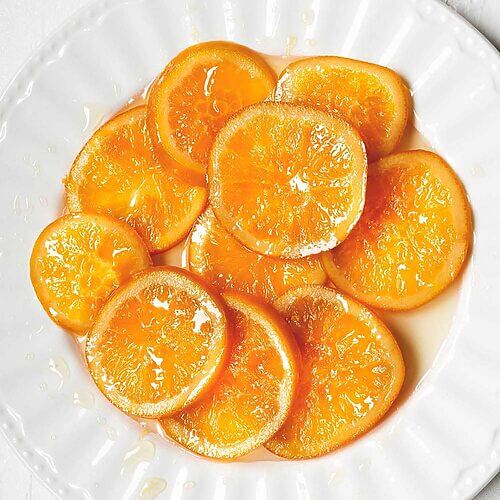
(420, 333)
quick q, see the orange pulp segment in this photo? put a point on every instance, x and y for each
(253, 396)
(78, 260)
(372, 98)
(159, 343)
(116, 174)
(352, 371)
(287, 181)
(228, 265)
(196, 94)
(412, 238)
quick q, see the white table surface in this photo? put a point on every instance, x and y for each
(24, 24)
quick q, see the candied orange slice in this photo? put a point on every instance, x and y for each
(352, 371)
(253, 396)
(287, 181)
(374, 99)
(159, 343)
(78, 260)
(228, 265)
(196, 94)
(116, 174)
(412, 238)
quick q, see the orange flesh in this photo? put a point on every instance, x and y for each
(299, 184)
(228, 265)
(352, 370)
(372, 98)
(116, 174)
(78, 260)
(412, 238)
(253, 396)
(196, 94)
(158, 343)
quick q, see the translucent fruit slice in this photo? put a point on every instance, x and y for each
(352, 371)
(253, 396)
(374, 99)
(228, 265)
(412, 238)
(287, 181)
(196, 94)
(116, 174)
(159, 343)
(78, 260)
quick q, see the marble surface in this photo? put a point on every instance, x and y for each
(24, 24)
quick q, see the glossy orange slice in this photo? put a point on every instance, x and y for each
(287, 181)
(352, 371)
(116, 174)
(196, 94)
(412, 238)
(253, 396)
(228, 265)
(374, 99)
(78, 260)
(159, 343)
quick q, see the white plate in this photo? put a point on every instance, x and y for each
(444, 442)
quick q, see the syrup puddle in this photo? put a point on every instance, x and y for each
(420, 333)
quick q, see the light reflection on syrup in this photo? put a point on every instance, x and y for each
(420, 333)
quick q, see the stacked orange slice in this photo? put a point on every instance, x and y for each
(250, 347)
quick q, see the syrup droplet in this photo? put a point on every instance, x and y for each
(60, 368)
(478, 171)
(84, 399)
(153, 486)
(189, 485)
(112, 433)
(94, 115)
(336, 477)
(143, 451)
(291, 42)
(307, 17)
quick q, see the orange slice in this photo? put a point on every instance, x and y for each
(228, 265)
(352, 371)
(196, 94)
(78, 260)
(116, 174)
(253, 396)
(287, 181)
(374, 99)
(412, 238)
(159, 343)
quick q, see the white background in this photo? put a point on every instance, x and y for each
(24, 25)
